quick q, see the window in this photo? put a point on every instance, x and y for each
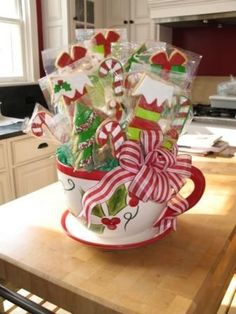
(18, 43)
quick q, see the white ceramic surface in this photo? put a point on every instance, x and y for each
(130, 220)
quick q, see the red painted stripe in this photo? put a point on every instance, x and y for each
(93, 175)
(144, 124)
(154, 106)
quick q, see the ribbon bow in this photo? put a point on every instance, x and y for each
(176, 58)
(106, 41)
(65, 59)
(154, 173)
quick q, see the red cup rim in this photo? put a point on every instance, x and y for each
(70, 171)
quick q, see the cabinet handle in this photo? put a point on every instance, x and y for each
(42, 145)
(131, 21)
(125, 22)
(75, 18)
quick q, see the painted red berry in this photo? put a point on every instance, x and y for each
(111, 223)
(133, 202)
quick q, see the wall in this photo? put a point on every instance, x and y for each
(216, 45)
(218, 49)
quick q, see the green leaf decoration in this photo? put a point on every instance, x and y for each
(97, 228)
(118, 201)
(135, 57)
(98, 49)
(66, 86)
(98, 211)
(178, 68)
(57, 88)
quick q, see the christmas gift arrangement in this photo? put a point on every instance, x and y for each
(116, 110)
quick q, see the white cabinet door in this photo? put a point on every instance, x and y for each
(141, 27)
(56, 23)
(118, 13)
(35, 175)
(133, 15)
(6, 192)
(5, 188)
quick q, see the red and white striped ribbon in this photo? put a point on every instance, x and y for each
(154, 174)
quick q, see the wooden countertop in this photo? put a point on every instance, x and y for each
(186, 272)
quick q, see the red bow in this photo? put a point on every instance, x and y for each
(65, 59)
(156, 174)
(175, 58)
(106, 41)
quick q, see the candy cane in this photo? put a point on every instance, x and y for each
(131, 80)
(114, 67)
(182, 114)
(43, 122)
(111, 128)
(39, 121)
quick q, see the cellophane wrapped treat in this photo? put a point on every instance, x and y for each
(105, 93)
(103, 78)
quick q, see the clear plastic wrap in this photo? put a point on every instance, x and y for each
(109, 90)
(227, 88)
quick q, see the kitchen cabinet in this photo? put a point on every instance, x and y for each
(163, 10)
(84, 14)
(132, 15)
(166, 14)
(5, 190)
(57, 25)
(32, 167)
(27, 165)
(33, 176)
(6, 193)
(62, 17)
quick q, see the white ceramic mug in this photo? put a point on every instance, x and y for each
(116, 218)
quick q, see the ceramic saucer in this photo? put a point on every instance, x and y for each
(78, 232)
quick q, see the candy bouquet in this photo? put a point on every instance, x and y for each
(116, 110)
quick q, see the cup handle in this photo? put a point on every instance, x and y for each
(199, 186)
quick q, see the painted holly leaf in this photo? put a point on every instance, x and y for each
(118, 201)
(98, 228)
(98, 211)
(57, 88)
(66, 86)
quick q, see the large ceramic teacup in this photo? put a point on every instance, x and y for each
(118, 217)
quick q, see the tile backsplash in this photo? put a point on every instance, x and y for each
(19, 101)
